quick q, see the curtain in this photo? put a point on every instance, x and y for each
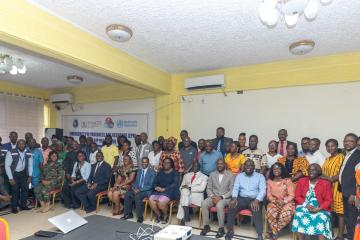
(21, 114)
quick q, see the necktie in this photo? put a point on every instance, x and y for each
(281, 148)
(218, 148)
(142, 178)
(193, 177)
(97, 166)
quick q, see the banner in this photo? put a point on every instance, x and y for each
(98, 126)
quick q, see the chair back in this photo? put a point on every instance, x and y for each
(4, 230)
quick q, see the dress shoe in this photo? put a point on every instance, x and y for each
(127, 216)
(14, 210)
(89, 210)
(229, 235)
(182, 222)
(220, 233)
(205, 230)
(260, 237)
(25, 208)
(140, 220)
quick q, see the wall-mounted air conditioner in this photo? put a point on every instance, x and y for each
(206, 82)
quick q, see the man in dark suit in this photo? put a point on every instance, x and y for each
(98, 181)
(283, 142)
(221, 141)
(13, 136)
(142, 188)
(348, 182)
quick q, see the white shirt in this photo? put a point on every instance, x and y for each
(272, 159)
(317, 157)
(92, 157)
(13, 146)
(154, 159)
(221, 176)
(348, 155)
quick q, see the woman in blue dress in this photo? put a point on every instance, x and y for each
(37, 162)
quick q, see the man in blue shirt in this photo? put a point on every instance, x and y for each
(248, 193)
(209, 158)
(13, 136)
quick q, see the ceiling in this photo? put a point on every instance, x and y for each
(186, 35)
(44, 72)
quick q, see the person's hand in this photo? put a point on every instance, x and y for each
(215, 199)
(93, 186)
(185, 186)
(68, 176)
(255, 206)
(162, 189)
(158, 189)
(136, 190)
(89, 186)
(29, 179)
(7, 197)
(12, 182)
(310, 207)
(233, 203)
(351, 200)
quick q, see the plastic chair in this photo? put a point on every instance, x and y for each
(4, 230)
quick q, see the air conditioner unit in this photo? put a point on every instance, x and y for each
(207, 82)
(61, 101)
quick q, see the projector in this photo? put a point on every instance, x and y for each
(174, 232)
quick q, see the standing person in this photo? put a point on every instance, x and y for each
(234, 160)
(161, 140)
(184, 134)
(188, 154)
(201, 148)
(120, 140)
(170, 152)
(242, 142)
(19, 168)
(305, 146)
(3, 153)
(82, 143)
(331, 170)
(314, 155)
(136, 148)
(219, 141)
(348, 182)
(192, 192)
(50, 178)
(280, 195)
(37, 162)
(126, 151)
(68, 165)
(110, 152)
(59, 148)
(45, 149)
(144, 148)
(313, 199)
(154, 155)
(283, 142)
(13, 136)
(256, 155)
(5, 198)
(248, 193)
(272, 155)
(209, 159)
(93, 151)
(357, 202)
(142, 188)
(88, 142)
(219, 188)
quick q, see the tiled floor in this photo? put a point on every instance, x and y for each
(26, 223)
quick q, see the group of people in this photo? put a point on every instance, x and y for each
(303, 189)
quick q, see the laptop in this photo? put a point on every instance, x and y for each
(68, 221)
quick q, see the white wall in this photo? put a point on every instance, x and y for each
(323, 111)
(116, 107)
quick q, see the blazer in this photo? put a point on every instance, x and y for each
(221, 189)
(222, 147)
(148, 185)
(348, 181)
(102, 176)
(323, 192)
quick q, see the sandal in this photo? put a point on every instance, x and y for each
(268, 235)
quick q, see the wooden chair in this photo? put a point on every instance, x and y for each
(102, 195)
(53, 194)
(4, 230)
(146, 204)
(172, 204)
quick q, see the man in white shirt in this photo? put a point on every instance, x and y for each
(314, 155)
(144, 148)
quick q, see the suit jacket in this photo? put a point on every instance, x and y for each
(348, 181)
(222, 147)
(221, 189)
(102, 176)
(148, 185)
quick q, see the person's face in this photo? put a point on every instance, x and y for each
(313, 173)
(69, 141)
(99, 157)
(161, 140)
(305, 145)
(32, 143)
(282, 135)
(167, 164)
(233, 148)
(313, 147)
(93, 147)
(53, 158)
(137, 139)
(186, 142)
(276, 171)
(143, 138)
(358, 143)
(201, 145)
(28, 136)
(183, 135)
(170, 145)
(119, 140)
(196, 167)
(126, 160)
(220, 165)
(208, 147)
(349, 143)
(53, 140)
(13, 137)
(144, 163)
(21, 145)
(125, 147)
(220, 133)
(290, 150)
(108, 140)
(272, 147)
(82, 141)
(227, 147)
(253, 143)
(249, 167)
(156, 147)
(89, 141)
(58, 147)
(242, 141)
(0, 140)
(75, 146)
(81, 157)
(45, 142)
(331, 148)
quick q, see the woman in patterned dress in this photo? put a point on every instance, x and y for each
(125, 176)
(331, 169)
(313, 197)
(175, 155)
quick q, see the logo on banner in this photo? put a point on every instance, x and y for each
(75, 123)
(109, 123)
(120, 123)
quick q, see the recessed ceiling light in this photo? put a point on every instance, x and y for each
(119, 33)
(75, 79)
(302, 47)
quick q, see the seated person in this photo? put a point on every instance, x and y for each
(192, 192)
(142, 188)
(219, 187)
(248, 193)
(296, 167)
(51, 175)
(4, 196)
(166, 188)
(124, 177)
(280, 195)
(313, 199)
(98, 181)
(79, 177)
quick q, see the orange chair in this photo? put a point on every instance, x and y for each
(4, 230)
